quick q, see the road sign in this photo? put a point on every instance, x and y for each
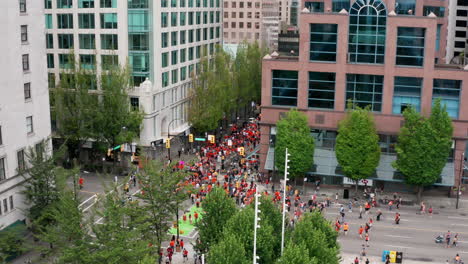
(200, 139)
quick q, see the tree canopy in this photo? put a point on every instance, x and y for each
(293, 132)
(423, 146)
(357, 144)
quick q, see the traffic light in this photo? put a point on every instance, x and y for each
(190, 138)
(168, 143)
(241, 151)
(211, 139)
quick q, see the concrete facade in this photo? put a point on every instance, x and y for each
(457, 39)
(24, 98)
(162, 41)
(388, 123)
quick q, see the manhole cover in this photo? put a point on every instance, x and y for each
(463, 214)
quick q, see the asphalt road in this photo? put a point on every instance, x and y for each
(414, 236)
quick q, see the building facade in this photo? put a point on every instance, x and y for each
(242, 21)
(457, 39)
(377, 56)
(24, 99)
(161, 40)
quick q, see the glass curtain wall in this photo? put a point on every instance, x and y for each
(406, 93)
(139, 46)
(367, 30)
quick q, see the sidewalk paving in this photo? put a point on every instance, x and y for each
(347, 258)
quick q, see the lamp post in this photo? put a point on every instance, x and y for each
(169, 136)
(256, 226)
(286, 167)
(462, 167)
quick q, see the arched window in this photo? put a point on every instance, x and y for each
(367, 28)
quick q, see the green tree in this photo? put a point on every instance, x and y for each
(41, 188)
(68, 236)
(159, 200)
(241, 225)
(116, 122)
(423, 146)
(296, 254)
(316, 233)
(11, 242)
(270, 214)
(293, 132)
(357, 145)
(119, 237)
(219, 208)
(205, 108)
(73, 106)
(228, 251)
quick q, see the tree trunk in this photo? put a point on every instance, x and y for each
(419, 193)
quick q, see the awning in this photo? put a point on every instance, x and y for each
(270, 160)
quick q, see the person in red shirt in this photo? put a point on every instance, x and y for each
(196, 216)
(182, 243)
(81, 182)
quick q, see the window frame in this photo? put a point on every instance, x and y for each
(27, 91)
(29, 125)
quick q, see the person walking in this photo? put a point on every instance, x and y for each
(430, 211)
(367, 239)
(448, 237)
(360, 211)
(345, 228)
(185, 255)
(81, 182)
(397, 218)
(361, 230)
(379, 214)
(356, 260)
(455, 240)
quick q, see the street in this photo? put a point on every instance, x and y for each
(414, 236)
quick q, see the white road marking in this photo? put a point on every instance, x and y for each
(397, 246)
(399, 236)
(86, 200)
(459, 225)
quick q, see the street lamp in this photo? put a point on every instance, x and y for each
(462, 168)
(169, 136)
(286, 167)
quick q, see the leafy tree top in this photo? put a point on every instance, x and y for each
(357, 144)
(293, 132)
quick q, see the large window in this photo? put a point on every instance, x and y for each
(109, 41)
(410, 46)
(338, 5)
(109, 20)
(174, 19)
(87, 61)
(65, 41)
(86, 20)
(29, 125)
(174, 57)
(49, 41)
(175, 76)
(65, 20)
(2, 169)
(164, 59)
(405, 7)
(284, 88)
(165, 79)
(138, 4)
(64, 61)
(367, 29)
(164, 19)
(138, 41)
(48, 21)
(87, 41)
(407, 92)
(86, 3)
(108, 3)
(20, 154)
(50, 60)
(322, 89)
(437, 10)
(109, 61)
(64, 3)
(323, 39)
(365, 90)
(164, 39)
(138, 20)
(449, 92)
(22, 6)
(313, 6)
(174, 38)
(140, 62)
